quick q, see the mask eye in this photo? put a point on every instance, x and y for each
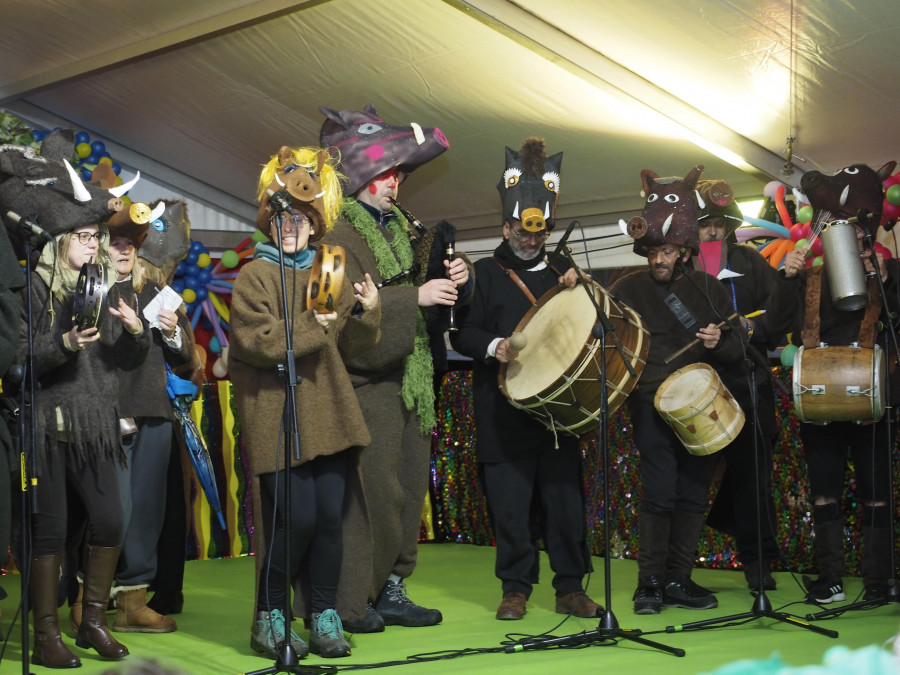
(672, 199)
(652, 197)
(852, 170)
(511, 177)
(159, 225)
(551, 181)
(368, 128)
(289, 168)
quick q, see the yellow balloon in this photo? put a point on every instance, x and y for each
(83, 150)
(107, 160)
(220, 307)
(126, 200)
(203, 260)
(189, 295)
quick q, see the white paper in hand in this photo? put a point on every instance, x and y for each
(167, 298)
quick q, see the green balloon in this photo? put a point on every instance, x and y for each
(818, 260)
(230, 259)
(258, 237)
(893, 194)
(787, 356)
(804, 214)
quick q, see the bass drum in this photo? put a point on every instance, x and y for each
(839, 384)
(556, 377)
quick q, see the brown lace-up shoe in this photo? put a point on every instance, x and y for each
(578, 604)
(513, 606)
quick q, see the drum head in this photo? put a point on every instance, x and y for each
(684, 387)
(557, 330)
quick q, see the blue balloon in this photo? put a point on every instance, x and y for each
(191, 258)
(205, 275)
(82, 137)
(196, 246)
(117, 168)
(214, 345)
(38, 134)
(205, 323)
(178, 286)
(86, 174)
(93, 158)
(98, 148)
(182, 269)
(192, 282)
(202, 293)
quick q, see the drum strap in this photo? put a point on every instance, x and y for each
(812, 322)
(511, 273)
(682, 313)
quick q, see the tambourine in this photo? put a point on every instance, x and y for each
(326, 279)
(90, 296)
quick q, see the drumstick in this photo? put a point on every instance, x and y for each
(693, 342)
(518, 341)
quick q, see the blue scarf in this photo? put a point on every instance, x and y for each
(301, 260)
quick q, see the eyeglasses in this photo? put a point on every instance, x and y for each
(524, 234)
(85, 237)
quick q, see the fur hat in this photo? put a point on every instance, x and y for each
(670, 213)
(368, 146)
(529, 186)
(717, 201)
(47, 188)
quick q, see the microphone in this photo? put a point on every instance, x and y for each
(561, 245)
(26, 224)
(280, 201)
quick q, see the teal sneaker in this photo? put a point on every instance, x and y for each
(326, 637)
(269, 633)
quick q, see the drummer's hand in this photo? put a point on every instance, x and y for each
(457, 271)
(128, 317)
(570, 278)
(437, 292)
(79, 339)
(710, 336)
(794, 262)
(870, 271)
(504, 353)
(367, 293)
(168, 322)
(325, 320)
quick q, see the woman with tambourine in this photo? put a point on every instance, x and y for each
(76, 431)
(300, 196)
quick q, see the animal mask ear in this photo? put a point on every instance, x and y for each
(887, 170)
(693, 175)
(647, 178)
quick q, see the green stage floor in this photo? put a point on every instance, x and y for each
(213, 631)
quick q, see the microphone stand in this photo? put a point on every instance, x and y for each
(762, 606)
(287, 660)
(891, 346)
(28, 467)
(608, 629)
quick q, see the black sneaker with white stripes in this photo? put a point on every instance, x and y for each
(824, 591)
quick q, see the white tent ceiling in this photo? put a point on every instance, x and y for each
(197, 94)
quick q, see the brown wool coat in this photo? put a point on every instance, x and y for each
(329, 416)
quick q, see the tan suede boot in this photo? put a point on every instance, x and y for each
(135, 617)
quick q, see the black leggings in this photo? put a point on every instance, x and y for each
(96, 485)
(317, 500)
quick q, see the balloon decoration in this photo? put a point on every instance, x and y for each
(775, 240)
(206, 287)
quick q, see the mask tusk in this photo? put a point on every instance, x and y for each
(124, 187)
(81, 192)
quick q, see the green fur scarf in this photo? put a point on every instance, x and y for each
(418, 370)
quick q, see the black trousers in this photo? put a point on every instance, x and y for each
(553, 481)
